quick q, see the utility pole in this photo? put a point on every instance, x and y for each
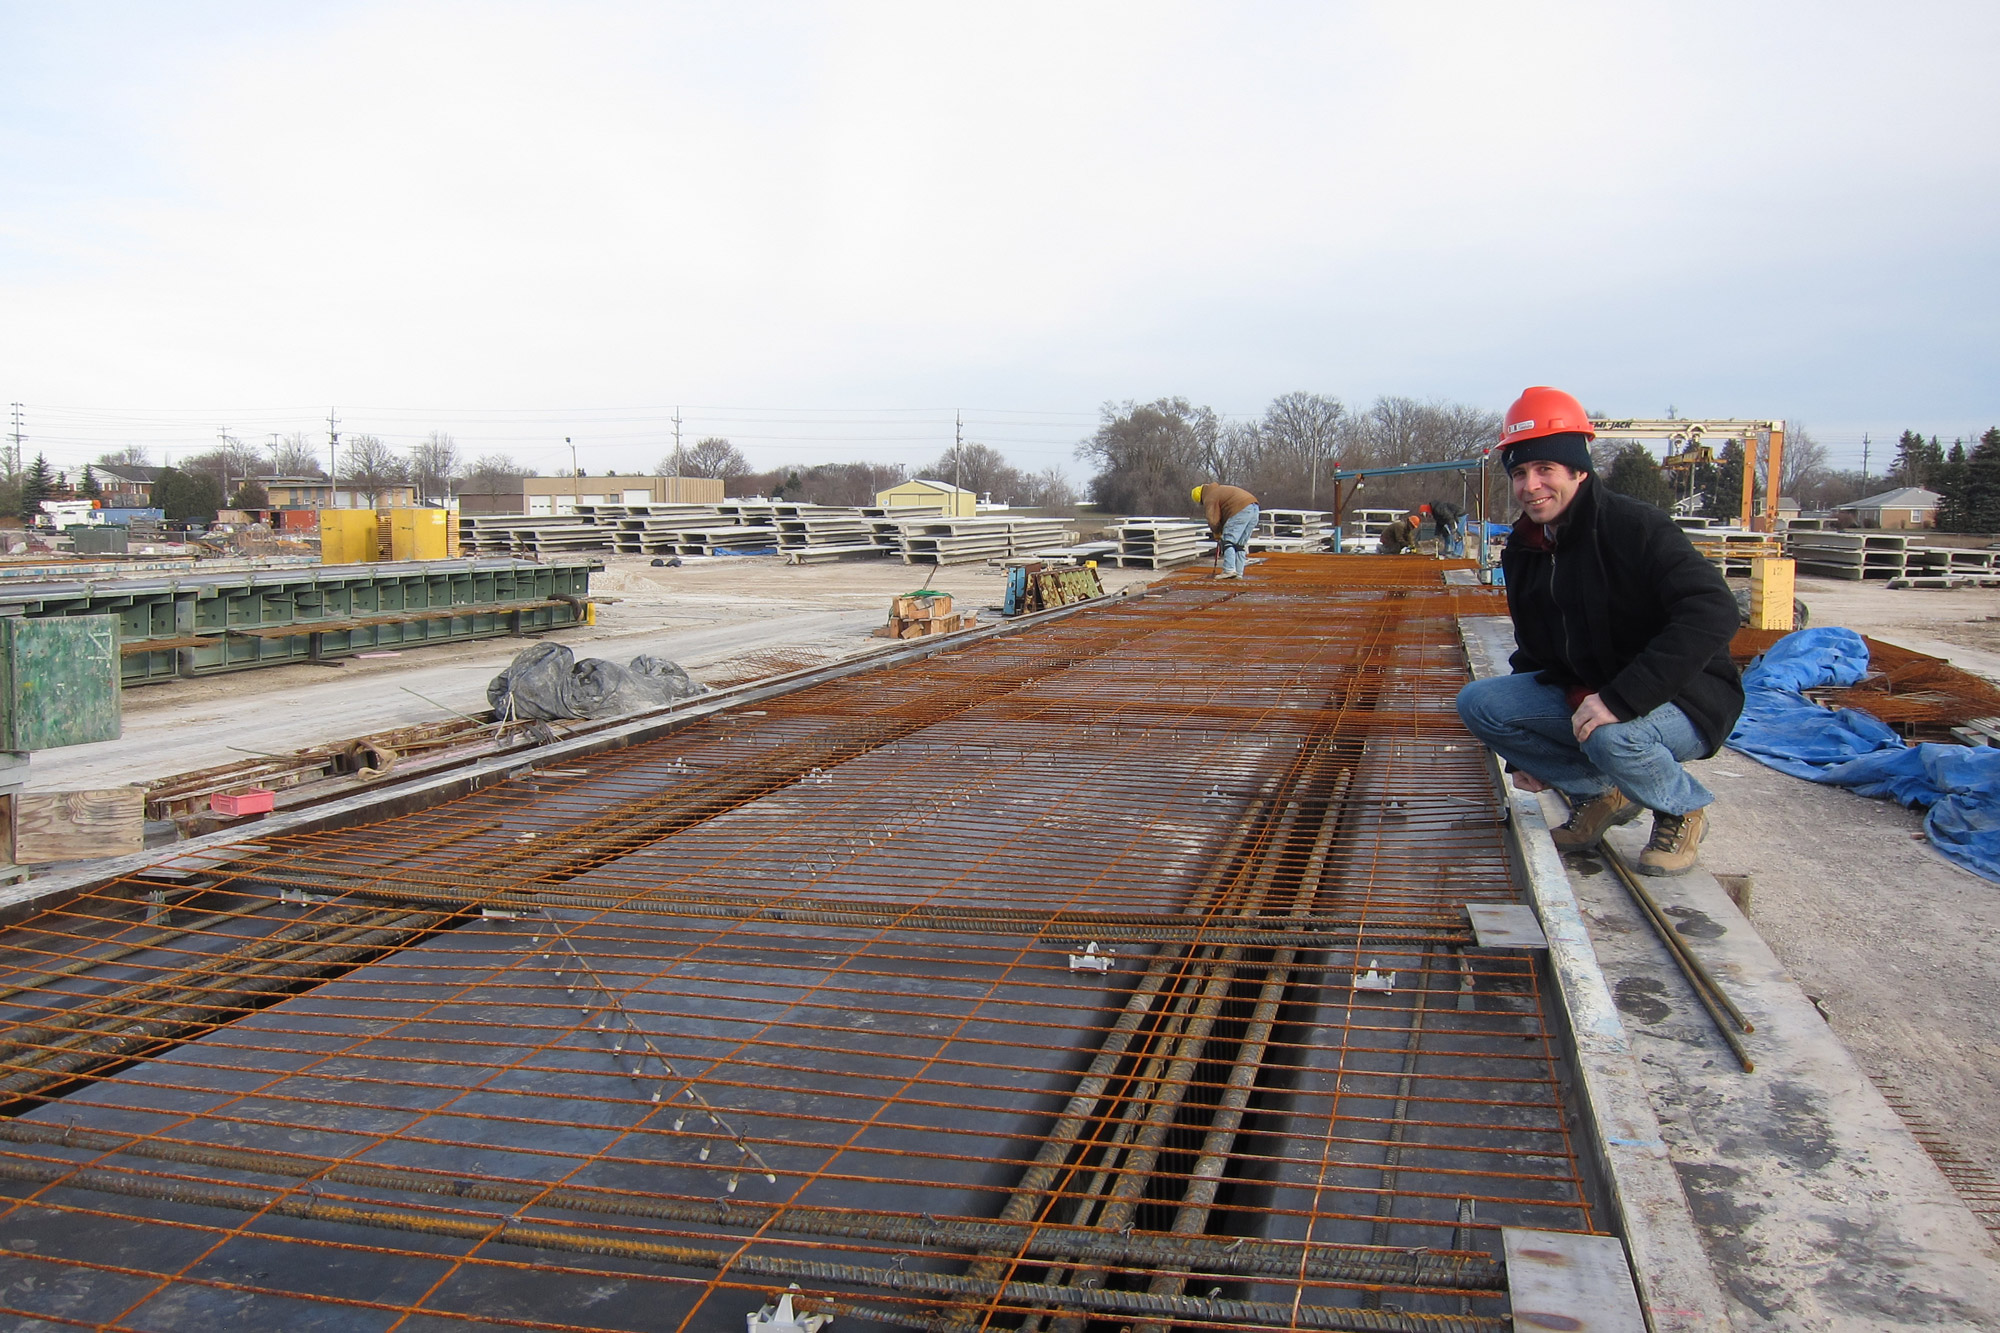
(14, 445)
(677, 452)
(222, 433)
(958, 456)
(332, 456)
(575, 486)
(1864, 459)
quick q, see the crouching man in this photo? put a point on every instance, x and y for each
(1622, 670)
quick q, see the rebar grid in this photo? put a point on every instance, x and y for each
(1031, 983)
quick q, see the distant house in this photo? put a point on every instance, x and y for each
(297, 492)
(955, 501)
(126, 485)
(1907, 507)
(320, 493)
(561, 495)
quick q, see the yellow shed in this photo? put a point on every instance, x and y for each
(348, 536)
(956, 502)
(418, 534)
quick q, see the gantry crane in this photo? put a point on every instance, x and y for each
(1689, 444)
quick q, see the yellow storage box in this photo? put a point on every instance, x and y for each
(419, 534)
(348, 536)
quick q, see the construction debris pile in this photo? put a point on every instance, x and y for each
(1036, 587)
(925, 612)
(805, 534)
(546, 683)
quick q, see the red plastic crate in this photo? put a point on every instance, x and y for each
(256, 801)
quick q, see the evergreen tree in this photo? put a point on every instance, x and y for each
(1725, 493)
(1634, 472)
(1917, 459)
(38, 483)
(187, 497)
(90, 488)
(1971, 487)
(1949, 483)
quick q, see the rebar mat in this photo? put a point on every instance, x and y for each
(1113, 973)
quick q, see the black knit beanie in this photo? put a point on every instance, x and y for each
(1571, 448)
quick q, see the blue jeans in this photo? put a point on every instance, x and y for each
(1236, 538)
(1527, 724)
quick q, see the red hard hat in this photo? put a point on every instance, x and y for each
(1544, 411)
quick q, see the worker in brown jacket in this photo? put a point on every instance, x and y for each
(1400, 536)
(1232, 516)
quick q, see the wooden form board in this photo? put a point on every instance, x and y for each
(1771, 584)
(77, 825)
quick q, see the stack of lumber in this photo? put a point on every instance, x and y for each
(1732, 549)
(1159, 543)
(918, 614)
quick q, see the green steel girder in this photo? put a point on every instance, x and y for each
(175, 609)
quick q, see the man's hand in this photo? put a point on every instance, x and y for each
(1527, 781)
(1589, 716)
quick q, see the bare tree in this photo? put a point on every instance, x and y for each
(1403, 430)
(711, 456)
(1051, 489)
(1303, 433)
(297, 455)
(982, 469)
(371, 467)
(495, 471)
(1804, 466)
(1150, 454)
(434, 465)
(229, 463)
(132, 455)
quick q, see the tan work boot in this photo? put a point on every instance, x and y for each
(1588, 823)
(1675, 840)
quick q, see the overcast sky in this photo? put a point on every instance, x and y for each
(821, 229)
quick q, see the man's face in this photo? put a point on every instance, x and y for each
(1544, 489)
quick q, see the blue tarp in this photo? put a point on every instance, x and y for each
(1844, 748)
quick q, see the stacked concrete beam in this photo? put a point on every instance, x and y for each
(1160, 543)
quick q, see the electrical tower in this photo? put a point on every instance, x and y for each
(14, 439)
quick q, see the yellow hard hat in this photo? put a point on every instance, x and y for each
(1197, 495)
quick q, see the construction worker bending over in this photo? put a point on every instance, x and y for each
(1622, 669)
(1450, 535)
(1399, 536)
(1232, 516)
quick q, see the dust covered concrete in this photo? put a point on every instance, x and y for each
(1900, 948)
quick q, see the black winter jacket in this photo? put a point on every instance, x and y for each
(1623, 605)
